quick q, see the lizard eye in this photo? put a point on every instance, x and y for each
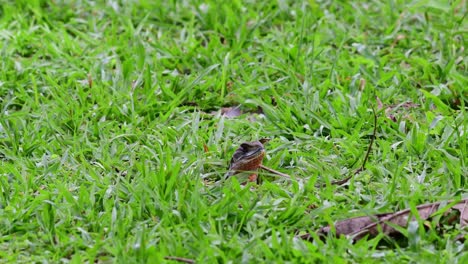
(245, 146)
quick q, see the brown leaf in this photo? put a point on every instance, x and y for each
(359, 227)
(397, 39)
(362, 84)
(235, 111)
(391, 111)
(463, 208)
(90, 80)
(379, 103)
(231, 112)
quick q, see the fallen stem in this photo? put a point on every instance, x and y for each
(345, 180)
(275, 172)
(179, 259)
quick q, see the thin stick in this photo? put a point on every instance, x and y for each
(363, 166)
(345, 180)
(179, 259)
(370, 144)
(275, 172)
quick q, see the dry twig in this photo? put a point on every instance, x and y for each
(345, 180)
(179, 259)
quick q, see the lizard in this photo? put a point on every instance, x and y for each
(247, 158)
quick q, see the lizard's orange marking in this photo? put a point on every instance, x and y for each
(253, 178)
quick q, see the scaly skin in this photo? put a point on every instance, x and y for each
(248, 157)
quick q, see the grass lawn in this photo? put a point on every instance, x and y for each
(112, 138)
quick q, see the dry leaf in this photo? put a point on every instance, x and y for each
(231, 112)
(236, 111)
(359, 227)
(90, 80)
(391, 111)
(463, 208)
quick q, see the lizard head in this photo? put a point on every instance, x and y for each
(251, 149)
(247, 157)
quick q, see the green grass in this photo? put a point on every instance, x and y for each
(116, 170)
